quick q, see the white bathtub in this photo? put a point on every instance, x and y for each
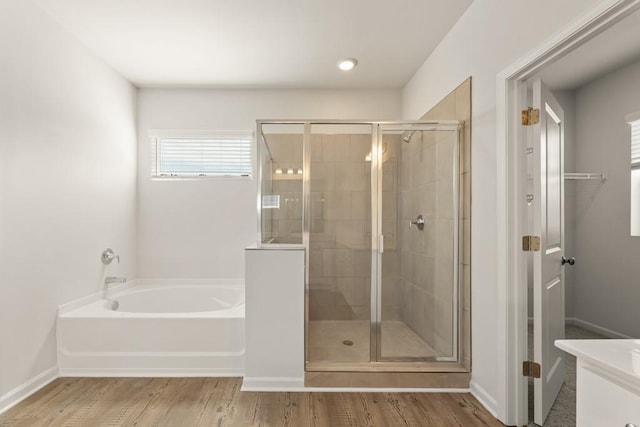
(156, 329)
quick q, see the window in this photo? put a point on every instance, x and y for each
(634, 122)
(182, 154)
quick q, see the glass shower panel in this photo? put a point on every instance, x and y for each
(340, 249)
(418, 199)
(281, 167)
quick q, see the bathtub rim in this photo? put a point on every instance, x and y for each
(108, 293)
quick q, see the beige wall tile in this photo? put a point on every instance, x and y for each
(338, 205)
(389, 175)
(316, 148)
(389, 205)
(330, 149)
(327, 379)
(466, 196)
(466, 280)
(344, 262)
(433, 380)
(466, 227)
(426, 272)
(444, 278)
(444, 155)
(390, 231)
(445, 109)
(373, 379)
(350, 233)
(322, 176)
(360, 205)
(281, 148)
(362, 263)
(426, 201)
(344, 286)
(352, 176)
(329, 268)
(416, 238)
(444, 199)
(390, 263)
(467, 148)
(315, 263)
(463, 101)
(466, 337)
(360, 146)
(444, 238)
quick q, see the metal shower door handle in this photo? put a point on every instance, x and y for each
(418, 222)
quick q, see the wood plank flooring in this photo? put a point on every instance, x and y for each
(79, 402)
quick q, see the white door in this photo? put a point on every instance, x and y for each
(548, 223)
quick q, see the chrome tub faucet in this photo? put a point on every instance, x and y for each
(110, 280)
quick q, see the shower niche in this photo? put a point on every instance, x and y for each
(378, 207)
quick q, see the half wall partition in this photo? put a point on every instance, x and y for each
(376, 205)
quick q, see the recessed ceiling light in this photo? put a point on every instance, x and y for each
(347, 64)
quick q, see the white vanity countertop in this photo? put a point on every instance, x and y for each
(620, 357)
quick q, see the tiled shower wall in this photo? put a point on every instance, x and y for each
(426, 187)
(340, 234)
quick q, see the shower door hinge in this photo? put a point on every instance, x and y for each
(531, 243)
(530, 369)
(530, 116)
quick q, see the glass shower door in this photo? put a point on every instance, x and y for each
(339, 266)
(418, 258)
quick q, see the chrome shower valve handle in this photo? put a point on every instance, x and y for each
(418, 222)
(108, 256)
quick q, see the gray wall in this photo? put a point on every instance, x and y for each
(607, 274)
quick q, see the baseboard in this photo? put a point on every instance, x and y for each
(272, 384)
(297, 385)
(484, 398)
(25, 390)
(149, 373)
(595, 328)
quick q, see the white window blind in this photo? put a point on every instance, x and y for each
(635, 144)
(215, 154)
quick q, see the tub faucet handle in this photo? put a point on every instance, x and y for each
(108, 255)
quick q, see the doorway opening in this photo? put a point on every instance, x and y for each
(558, 184)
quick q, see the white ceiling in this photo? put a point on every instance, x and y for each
(260, 43)
(612, 49)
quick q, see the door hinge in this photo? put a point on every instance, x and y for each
(530, 116)
(530, 369)
(531, 243)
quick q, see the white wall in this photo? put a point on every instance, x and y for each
(607, 287)
(491, 35)
(274, 314)
(199, 228)
(67, 183)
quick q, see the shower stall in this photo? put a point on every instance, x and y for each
(376, 205)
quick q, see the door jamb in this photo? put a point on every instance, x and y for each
(511, 209)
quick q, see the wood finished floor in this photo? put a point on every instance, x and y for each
(172, 402)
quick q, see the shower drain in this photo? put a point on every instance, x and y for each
(347, 342)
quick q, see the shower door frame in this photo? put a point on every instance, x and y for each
(376, 362)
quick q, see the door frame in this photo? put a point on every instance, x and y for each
(511, 205)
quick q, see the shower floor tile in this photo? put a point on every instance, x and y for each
(327, 339)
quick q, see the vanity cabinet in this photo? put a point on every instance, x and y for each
(607, 381)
